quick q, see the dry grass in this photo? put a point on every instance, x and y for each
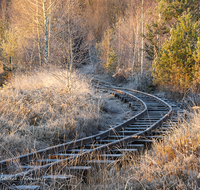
(170, 164)
(36, 111)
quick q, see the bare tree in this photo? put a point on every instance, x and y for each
(35, 17)
(69, 33)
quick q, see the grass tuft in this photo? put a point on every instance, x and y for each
(171, 164)
(37, 110)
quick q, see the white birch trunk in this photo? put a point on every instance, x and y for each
(38, 32)
(49, 38)
(136, 43)
(108, 49)
(45, 33)
(70, 52)
(142, 53)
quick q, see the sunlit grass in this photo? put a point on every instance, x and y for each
(171, 164)
(37, 110)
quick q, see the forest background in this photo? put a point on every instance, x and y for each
(147, 42)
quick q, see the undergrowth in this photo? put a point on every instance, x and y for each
(37, 110)
(171, 164)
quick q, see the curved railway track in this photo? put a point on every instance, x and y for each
(65, 161)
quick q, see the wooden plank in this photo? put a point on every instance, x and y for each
(58, 177)
(140, 124)
(125, 150)
(25, 187)
(118, 136)
(161, 132)
(148, 120)
(165, 128)
(136, 128)
(5, 177)
(127, 132)
(110, 155)
(143, 141)
(135, 146)
(106, 141)
(45, 161)
(160, 111)
(71, 155)
(84, 171)
(28, 167)
(78, 150)
(100, 162)
(78, 168)
(92, 145)
(155, 137)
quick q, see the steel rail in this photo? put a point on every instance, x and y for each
(148, 131)
(63, 147)
(60, 148)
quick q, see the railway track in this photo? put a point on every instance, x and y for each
(68, 161)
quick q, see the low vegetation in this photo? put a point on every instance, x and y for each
(37, 110)
(171, 164)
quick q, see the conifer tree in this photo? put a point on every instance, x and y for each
(196, 56)
(167, 14)
(175, 66)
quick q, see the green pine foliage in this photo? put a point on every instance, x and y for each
(196, 71)
(156, 32)
(177, 64)
(112, 61)
(168, 12)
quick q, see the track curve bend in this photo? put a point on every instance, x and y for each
(109, 145)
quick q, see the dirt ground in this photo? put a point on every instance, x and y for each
(113, 111)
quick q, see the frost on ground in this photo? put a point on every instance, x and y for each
(38, 111)
(172, 163)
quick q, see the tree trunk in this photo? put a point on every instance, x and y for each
(49, 39)
(142, 53)
(136, 42)
(38, 33)
(70, 52)
(45, 33)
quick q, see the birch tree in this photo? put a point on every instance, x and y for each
(68, 38)
(37, 14)
(142, 53)
(136, 45)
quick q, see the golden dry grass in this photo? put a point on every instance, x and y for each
(170, 164)
(36, 111)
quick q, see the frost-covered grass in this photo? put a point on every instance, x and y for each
(37, 110)
(171, 164)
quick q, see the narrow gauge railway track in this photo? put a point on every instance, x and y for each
(64, 161)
